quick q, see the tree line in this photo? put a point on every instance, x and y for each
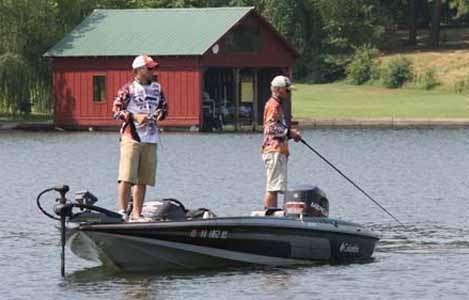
(325, 32)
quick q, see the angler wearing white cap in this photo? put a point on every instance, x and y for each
(140, 105)
(276, 135)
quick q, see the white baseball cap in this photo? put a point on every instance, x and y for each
(281, 82)
(144, 61)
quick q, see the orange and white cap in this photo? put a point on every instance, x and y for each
(144, 61)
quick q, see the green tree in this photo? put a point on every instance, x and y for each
(349, 24)
(26, 31)
(14, 77)
(436, 20)
(461, 6)
(412, 22)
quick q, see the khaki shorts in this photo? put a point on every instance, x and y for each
(137, 162)
(276, 169)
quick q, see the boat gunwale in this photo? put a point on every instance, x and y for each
(332, 225)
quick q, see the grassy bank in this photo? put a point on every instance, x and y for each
(449, 66)
(339, 100)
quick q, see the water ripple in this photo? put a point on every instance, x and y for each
(422, 238)
(420, 175)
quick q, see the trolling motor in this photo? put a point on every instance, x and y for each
(63, 208)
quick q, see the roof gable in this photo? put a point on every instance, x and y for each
(130, 32)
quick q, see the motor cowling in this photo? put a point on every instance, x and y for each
(307, 201)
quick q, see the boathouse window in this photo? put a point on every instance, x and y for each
(99, 87)
(244, 38)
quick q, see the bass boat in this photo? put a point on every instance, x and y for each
(176, 238)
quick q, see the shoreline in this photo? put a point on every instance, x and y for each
(304, 123)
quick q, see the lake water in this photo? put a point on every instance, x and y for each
(420, 175)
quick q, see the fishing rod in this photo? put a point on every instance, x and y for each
(349, 180)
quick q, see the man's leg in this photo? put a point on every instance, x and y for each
(138, 197)
(270, 199)
(276, 171)
(124, 192)
(146, 176)
(128, 163)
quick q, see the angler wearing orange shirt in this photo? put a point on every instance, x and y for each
(276, 136)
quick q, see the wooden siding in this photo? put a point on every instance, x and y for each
(273, 53)
(73, 90)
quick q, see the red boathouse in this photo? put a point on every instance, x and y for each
(216, 64)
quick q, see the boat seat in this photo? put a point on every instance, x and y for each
(200, 213)
(268, 213)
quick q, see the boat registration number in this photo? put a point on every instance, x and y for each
(209, 234)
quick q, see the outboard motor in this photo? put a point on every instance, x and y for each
(306, 200)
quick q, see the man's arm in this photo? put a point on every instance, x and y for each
(162, 108)
(119, 111)
(275, 128)
(119, 106)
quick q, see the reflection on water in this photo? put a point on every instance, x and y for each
(420, 176)
(423, 239)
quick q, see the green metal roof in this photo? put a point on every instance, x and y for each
(130, 32)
